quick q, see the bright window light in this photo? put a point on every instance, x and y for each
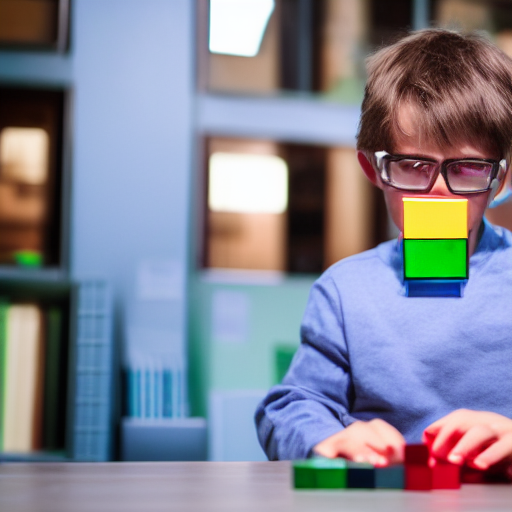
(237, 26)
(24, 155)
(246, 183)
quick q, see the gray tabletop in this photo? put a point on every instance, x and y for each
(212, 486)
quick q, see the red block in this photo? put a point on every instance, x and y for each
(418, 477)
(472, 476)
(418, 454)
(445, 476)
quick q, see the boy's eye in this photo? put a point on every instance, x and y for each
(413, 166)
(470, 168)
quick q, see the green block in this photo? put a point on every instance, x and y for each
(320, 473)
(436, 259)
(304, 477)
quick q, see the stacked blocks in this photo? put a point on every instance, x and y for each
(435, 246)
(320, 473)
(420, 473)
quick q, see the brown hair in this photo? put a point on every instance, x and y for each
(460, 87)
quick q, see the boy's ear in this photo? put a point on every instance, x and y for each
(501, 191)
(368, 169)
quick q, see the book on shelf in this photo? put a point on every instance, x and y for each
(54, 387)
(155, 386)
(31, 370)
(4, 307)
(23, 390)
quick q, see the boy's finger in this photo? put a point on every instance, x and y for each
(433, 429)
(371, 456)
(475, 440)
(361, 452)
(458, 417)
(445, 440)
(329, 451)
(388, 441)
(495, 453)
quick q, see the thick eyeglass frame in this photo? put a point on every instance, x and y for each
(381, 157)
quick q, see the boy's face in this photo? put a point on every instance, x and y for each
(412, 145)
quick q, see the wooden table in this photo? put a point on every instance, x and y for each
(212, 486)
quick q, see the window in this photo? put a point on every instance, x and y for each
(492, 16)
(287, 207)
(316, 46)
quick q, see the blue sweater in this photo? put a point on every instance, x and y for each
(368, 351)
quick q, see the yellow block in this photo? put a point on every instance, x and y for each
(435, 218)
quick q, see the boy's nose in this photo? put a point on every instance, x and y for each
(440, 188)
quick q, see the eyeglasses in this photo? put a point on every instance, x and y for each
(462, 176)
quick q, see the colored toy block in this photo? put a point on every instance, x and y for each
(433, 288)
(435, 259)
(418, 477)
(303, 475)
(417, 454)
(435, 218)
(423, 472)
(445, 476)
(360, 475)
(320, 473)
(472, 476)
(390, 477)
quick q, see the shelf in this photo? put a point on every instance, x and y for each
(282, 118)
(34, 457)
(164, 439)
(22, 284)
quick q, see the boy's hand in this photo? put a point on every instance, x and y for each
(375, 441)
(476, 438)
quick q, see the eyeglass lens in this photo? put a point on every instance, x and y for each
(468, 176)
(463, 175)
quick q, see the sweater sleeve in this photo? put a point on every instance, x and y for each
(314, 399)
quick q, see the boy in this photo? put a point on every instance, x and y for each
(377, 368)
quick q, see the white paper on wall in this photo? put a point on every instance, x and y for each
(160, 280)
(230, 317)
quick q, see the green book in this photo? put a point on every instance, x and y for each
(53, 409)
(283, 354)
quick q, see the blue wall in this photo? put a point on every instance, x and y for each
(133, 84)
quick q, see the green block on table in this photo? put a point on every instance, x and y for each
(320, 473)
(303, 475)
(436, 259)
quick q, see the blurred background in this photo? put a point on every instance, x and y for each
(174, 175)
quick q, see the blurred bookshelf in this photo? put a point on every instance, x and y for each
(56, 342)
(55, 370)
